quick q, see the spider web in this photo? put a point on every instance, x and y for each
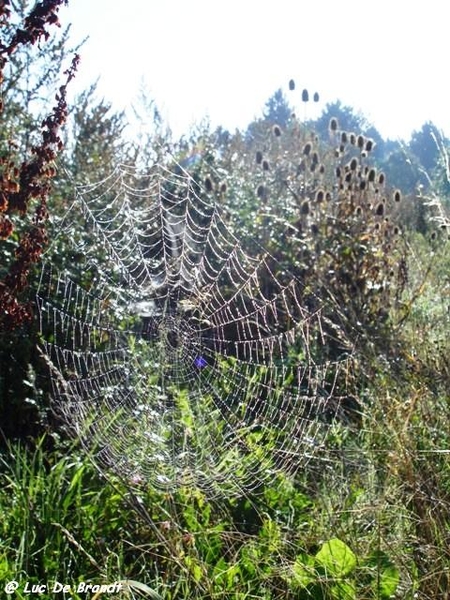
(177, 357)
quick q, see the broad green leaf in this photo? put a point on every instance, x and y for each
(336, 558)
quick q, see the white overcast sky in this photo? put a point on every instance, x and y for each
(224, 58)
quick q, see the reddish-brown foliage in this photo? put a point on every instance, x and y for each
(30, 181)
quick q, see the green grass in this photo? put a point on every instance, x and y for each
(372, 525)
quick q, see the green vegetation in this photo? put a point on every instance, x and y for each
(369, 517)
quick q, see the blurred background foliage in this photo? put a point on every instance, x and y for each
(363, 223)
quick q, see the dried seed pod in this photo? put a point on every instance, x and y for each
(316, 97)
(301, 167)
(397, 196)
(344, 137)
(320, 196)
(379, 211)
(259, 157)
(3, 202)
(360, 141)
(291, 85)
(371, 176)
(304, 208)
(370, 145)
(223, 187)
(208, 184)
(333, 124)
(305, 96)
(265, 165)
(353, 139)
(261, 192)
(307, 148)
(381, 178)
(276, 131)
(353, 164)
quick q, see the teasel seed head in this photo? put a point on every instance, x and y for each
(261, 192)
(208, 184)
(307, 149)
(333, 124)
(304, 207)
(379, 211)
(259, 157)
(291, 85)
(276, 130)
(305, 96)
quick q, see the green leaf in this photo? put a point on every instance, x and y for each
(388, 582)
(386, 576)
(336, 558)
(303, 570)
(344, 590)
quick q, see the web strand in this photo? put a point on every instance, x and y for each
(174, 354)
